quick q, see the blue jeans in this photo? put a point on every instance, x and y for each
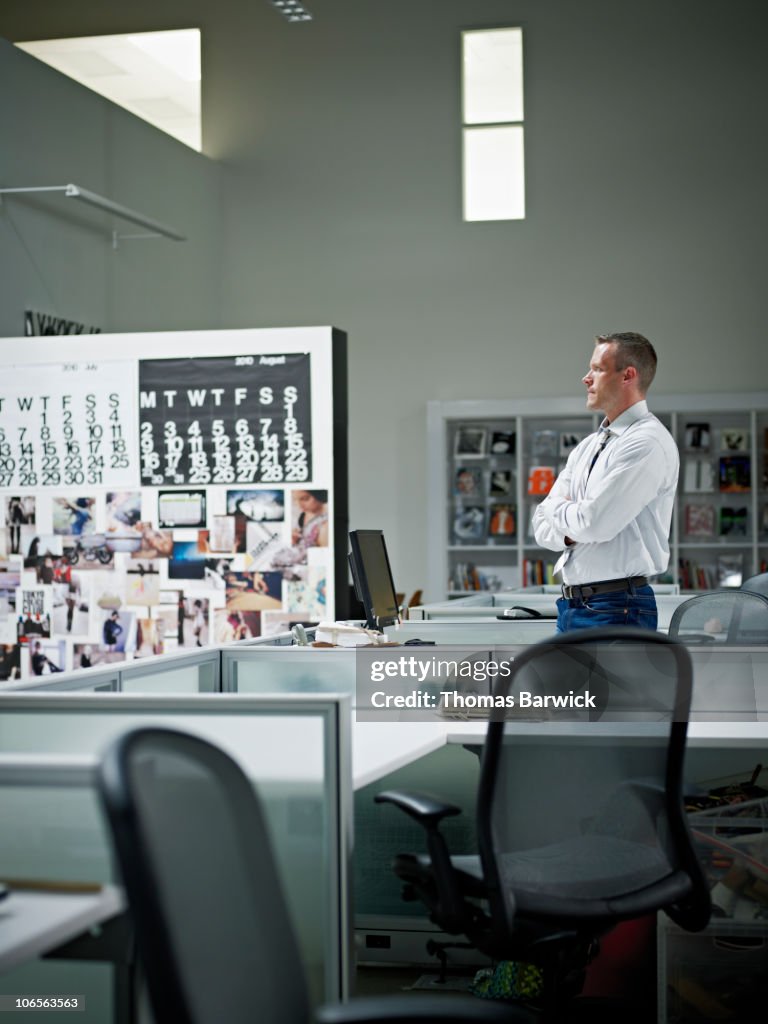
(617, 608)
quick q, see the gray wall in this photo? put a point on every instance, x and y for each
(338, 151)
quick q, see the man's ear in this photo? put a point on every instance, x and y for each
(630, 374)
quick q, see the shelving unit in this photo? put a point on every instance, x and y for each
(482, 492)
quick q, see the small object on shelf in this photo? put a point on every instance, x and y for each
(501, 482)
(468, 482)
(734, 439)
(502, 521)
(470, 441)
(540, 480)
(734, 473)
(503, 442)
(700, 520)
(469, 522)
(730, 570)
(545, 442)
(733, 521)
(697, 437)
(698, 476)
(569, 439)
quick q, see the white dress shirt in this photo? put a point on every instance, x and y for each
(619, 515)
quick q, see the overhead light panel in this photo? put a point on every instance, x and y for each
(292, 10)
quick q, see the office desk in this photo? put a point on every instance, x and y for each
(33, 924)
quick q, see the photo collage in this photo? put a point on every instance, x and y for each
(93, 577)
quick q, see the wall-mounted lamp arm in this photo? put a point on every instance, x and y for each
(102, 203)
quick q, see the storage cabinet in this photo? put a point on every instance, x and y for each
(491, 462)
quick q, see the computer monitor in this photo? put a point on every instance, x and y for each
(372, 578)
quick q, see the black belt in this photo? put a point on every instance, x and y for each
(584, 590)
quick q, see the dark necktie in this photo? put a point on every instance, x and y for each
(597, 454)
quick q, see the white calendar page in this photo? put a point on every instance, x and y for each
(68, 424)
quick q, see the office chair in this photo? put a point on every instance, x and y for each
(580, 819)
(211, 922)
(757, 584)
(722, 617)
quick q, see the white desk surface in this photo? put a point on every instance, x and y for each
(379, 748)
(34, 923)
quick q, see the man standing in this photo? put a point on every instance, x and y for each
(609, 511)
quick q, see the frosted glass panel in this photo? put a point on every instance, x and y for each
(186, 679)
(293, 671)
(493, 76)
(494, 183)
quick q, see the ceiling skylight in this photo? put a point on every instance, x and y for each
(155, 75)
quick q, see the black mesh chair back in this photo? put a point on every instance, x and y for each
(195, 857)
(757, 584)
(585, 826)
(736, 617)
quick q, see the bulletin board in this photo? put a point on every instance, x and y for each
(162, 491)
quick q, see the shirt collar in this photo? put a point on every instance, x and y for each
(627, 418)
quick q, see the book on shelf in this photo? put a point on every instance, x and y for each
(697, 437)
(698, 476)
(468, 482)
(545, 442)
(540, 480)
(468, 576)
(469, 522)
(730, 570)
(733, 521)
(694, 576)
(470, 441)
(501, 482)
(502, 522)
(537, 572)
(735, 473)
(734, 439)
(699, 520)
(502, 442)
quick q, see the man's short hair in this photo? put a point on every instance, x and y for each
(633, 350)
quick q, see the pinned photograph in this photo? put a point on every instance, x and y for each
(19, 512)
(257, 505)
(181, 509)
(187, 561)
(46, 657)
(73, 517)
(10, 662)
(221, 539)
(253, 591)
(154, 543)
(230, 625)
(143, 584)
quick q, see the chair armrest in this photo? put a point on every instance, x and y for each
(425, 809)
(424, 1009)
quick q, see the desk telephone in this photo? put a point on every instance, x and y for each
(518, 611)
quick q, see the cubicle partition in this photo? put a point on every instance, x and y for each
(490, 604)
(295, 748)
(195, 672)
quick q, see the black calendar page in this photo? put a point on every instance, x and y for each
(225, 419)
